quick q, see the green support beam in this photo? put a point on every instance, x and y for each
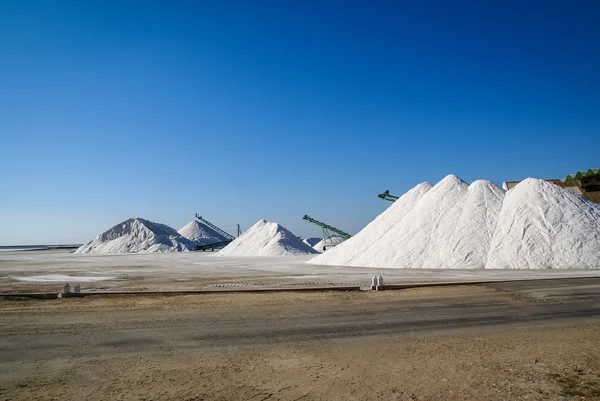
(327, 227)
(386, 196)
(217, 229)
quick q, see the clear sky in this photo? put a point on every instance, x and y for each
(276, 109)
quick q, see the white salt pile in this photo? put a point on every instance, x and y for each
(138, 235)
(312, 241)
(327, 243)
(200, 233)
(544, 226)
(266, 239)
(351, 250)
(536, 225)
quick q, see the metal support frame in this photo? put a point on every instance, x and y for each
(217, 229)
(220, 231)
(327, 228)
(386, 196)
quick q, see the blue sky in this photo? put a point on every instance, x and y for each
(275, 109)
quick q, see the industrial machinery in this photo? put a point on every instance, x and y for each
(327, 229)
(386, 196)
(217, 229)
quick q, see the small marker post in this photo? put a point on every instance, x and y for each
(64, 293)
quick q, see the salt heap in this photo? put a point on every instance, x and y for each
(328, 243)
(200, 233)
(544, 226)
(349, 251)
(312, 241)
(537, 225)
(138, 235)
(266, 239)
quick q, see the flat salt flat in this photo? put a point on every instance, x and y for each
(60, 278)
(203, 270)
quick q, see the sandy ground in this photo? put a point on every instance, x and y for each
(203, 270)
(525, 341)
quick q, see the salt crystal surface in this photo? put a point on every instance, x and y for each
(138, 235)
(266, 239)
(470, 238)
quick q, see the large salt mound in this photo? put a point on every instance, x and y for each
(312, 241)
(200, 233)
(350, 250)
(423, 237)
(543, 226)
(328, 243)
(266, 239)
(470, 238)
(536, 225)
(138, 235)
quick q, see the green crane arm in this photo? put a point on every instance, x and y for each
(386, 196)
(217, 229)
(327, 227)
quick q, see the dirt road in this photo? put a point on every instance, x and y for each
(533, 341)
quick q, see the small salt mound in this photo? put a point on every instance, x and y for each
(350, 250)
(266, 239)
(138, 235)
(544, 226)
(312, 241)
(328, 243)
(200, 233)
